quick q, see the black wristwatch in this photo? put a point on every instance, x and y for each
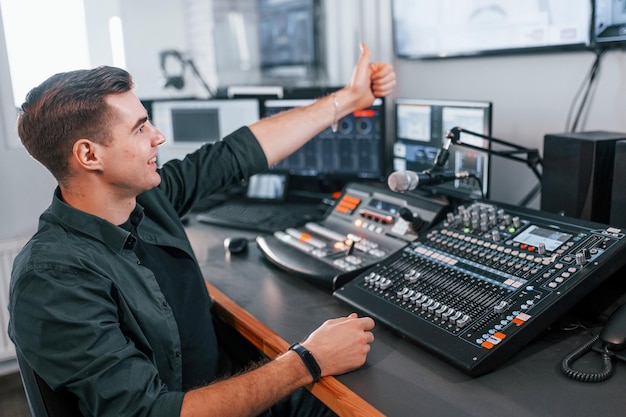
(308, 359)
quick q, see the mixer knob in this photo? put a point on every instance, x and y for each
(586, 253)
(495, 235)
(484, 226)
(450, 217)
(580, 259)
(500, 214)
(541, 249)
(507, 219)
(516, 222)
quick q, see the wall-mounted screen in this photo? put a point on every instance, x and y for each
(421, 128)
(187, 124)
(452, 28)
(609, 22)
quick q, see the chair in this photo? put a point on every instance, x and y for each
(42, 400)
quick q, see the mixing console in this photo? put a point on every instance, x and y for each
(366, 225)
(486, 280)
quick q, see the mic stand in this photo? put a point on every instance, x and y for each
(516, 152)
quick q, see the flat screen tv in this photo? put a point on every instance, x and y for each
(454, 28)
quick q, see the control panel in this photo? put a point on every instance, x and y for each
(487, 279)
(366, 225)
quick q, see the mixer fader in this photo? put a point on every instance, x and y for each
(487, 279)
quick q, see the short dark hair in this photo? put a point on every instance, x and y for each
(66, 107)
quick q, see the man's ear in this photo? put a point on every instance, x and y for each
(86, 154)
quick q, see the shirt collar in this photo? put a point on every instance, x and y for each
(110, 234)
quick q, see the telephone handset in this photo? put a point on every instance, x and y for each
(613, 336)
(610, 343)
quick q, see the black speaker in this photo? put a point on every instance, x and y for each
(578, 175)
(618, 192)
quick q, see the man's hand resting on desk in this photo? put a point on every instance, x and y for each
(341, 345)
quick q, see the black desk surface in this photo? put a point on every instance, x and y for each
(399, 378)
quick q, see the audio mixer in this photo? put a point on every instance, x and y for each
(366, 225)
(486, 280)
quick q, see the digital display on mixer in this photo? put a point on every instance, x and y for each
(384, 206)
(535, 236)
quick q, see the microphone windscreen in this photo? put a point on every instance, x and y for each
(398, 181)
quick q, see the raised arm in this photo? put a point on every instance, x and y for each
(282, 134)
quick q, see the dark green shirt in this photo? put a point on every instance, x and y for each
(89, 317)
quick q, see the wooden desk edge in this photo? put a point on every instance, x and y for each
(329, 390)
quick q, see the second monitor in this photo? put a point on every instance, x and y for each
(421, 127)
(356, 151)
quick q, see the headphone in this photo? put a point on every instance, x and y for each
(176, 80)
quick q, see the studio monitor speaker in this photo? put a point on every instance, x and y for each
(578, 174)
(618, 193)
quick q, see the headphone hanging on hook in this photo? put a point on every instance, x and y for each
(173, 65)
(173, 68)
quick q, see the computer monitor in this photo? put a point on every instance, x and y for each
(609, 23)
(421, 127)
(355, 152)
(189, 123)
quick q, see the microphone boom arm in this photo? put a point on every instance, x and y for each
(518, 153)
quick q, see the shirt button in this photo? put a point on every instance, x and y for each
(177, 354)
(165, 304)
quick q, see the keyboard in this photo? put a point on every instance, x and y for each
(261, 217)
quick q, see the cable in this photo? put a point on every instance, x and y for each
(606, 373)
(480, 184)
(586, 86)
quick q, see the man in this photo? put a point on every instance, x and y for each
(107, 300)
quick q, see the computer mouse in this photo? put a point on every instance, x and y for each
(236, 245)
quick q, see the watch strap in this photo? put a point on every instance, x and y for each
(308, 360)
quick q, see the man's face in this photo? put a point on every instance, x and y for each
(130, 158)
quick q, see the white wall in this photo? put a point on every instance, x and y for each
(531, 93)
(25, 186)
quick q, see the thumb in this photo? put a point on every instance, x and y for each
(364, 59)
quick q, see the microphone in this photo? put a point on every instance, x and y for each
(409, 180)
